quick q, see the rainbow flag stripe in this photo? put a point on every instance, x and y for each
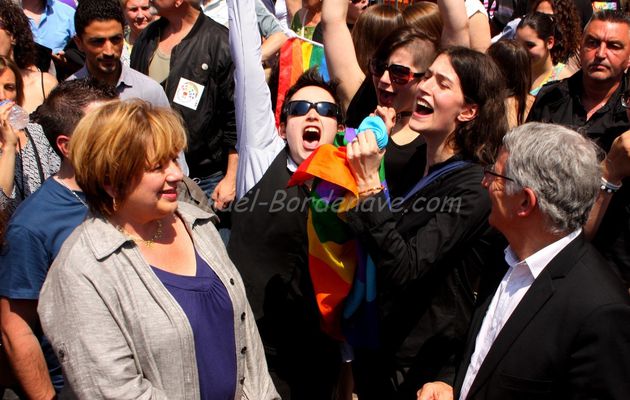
(343, 274)
(296, 56)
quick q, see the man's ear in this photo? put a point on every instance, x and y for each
(468, 113)
(282, 130)
(78, 42)
(62, 144)
(528, 202)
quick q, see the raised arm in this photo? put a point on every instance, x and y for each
(258, 141)
(341, 58)
(615, 167)
(455, 20)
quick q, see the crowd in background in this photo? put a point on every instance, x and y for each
(314, 199)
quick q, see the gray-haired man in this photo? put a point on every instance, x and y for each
(557, 326)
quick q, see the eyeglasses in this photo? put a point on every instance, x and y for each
(323, 108)
(625, 99)
(399, 74)
(489, 170)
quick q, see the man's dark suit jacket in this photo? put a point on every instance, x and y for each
(569, 337)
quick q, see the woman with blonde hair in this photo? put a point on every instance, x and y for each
(143, 300)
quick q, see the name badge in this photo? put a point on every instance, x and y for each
(188, 93)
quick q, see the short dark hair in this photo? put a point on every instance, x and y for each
(16, 23)
(615, 16)
(65, 106)
(410, 38)
(97, 10)
(311, 77)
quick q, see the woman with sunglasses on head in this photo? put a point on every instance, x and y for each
(26, 158)
(269, 241)
(433, 247)
(142, 300)
(537, 32)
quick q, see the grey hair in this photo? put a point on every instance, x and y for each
(560, 166)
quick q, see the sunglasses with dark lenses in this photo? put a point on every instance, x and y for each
(323, 108)
(398, 74)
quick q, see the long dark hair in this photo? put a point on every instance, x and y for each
(512, 59)
(16, 23)
(568, 27)
(545, 26)
(482, 84)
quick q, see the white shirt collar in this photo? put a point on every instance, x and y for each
(539, 260)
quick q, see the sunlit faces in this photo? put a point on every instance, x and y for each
(402, 97)
(307, 132)
(504, 206)
(8, 85)
(537, 48)
(138, 14)
(440, 103)
(155, 193)
(102, 42)
(605, 50)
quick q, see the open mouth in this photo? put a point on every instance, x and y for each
(423, 108)
(310, 137)
(385, 98)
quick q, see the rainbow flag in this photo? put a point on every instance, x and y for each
(296, 56)
(343, 274)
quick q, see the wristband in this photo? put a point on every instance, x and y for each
(609, 187)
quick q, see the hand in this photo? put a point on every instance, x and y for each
(616, 165)
(436, 391)
(224, 193)
(365, 158)
(8, 135)
(388, 115)
(60, 57)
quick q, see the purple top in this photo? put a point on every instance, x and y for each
(208, 307)
(71, 3)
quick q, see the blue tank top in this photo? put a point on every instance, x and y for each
(207, 305)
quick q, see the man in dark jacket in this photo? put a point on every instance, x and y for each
(189, 54)
(590, 100)
(557, 326)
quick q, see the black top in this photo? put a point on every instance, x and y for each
(431, 255)
(404, 165)
(269, 247)
(362, 104)
(203, 56)
(560, 103)
(613, 236)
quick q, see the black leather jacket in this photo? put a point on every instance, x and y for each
(203, 56)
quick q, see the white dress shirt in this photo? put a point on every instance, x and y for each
(516, 282)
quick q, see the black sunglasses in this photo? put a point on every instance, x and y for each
(489, 170)
(323, 108)
(399, 74)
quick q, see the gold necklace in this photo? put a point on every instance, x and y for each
(147, 242)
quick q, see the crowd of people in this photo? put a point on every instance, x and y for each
(162, 233)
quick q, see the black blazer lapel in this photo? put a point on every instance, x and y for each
(475, 326)
(538, 294)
